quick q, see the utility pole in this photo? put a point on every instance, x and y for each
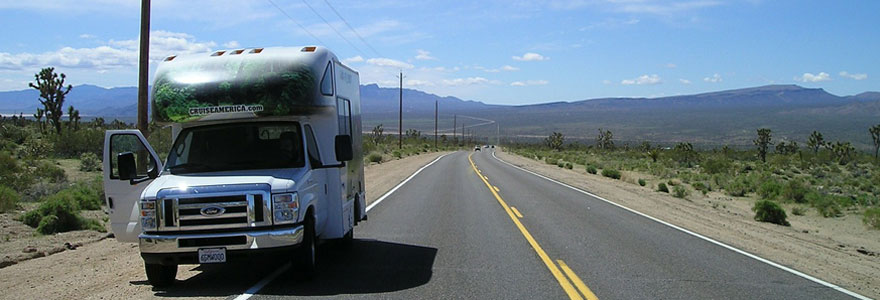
(454, 127)
(144, 69)
(436, 107)
(400, 116)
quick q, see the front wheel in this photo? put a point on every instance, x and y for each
(305, 256)
(160, 275)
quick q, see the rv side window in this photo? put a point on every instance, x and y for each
(343, 111)
(314, 155)
(327, 81)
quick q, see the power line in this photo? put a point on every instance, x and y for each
(352, 29)
(331, 27)
(297, 23)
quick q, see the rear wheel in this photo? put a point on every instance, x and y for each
(305, 256)
(160, 275)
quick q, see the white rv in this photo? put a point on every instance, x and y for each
(266, 157)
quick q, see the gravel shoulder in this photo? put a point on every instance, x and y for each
(102, 268)
(838, 250)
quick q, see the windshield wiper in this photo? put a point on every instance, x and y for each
(190, 167)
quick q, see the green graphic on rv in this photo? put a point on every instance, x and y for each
(207, 90)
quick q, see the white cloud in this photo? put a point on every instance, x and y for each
(642, 80)
(809, 77)
(355, 59)
(424, 55)
(509, 68)
(231, 44)
(469, 81)
(86, 36)
(684, 81)
(668, 8)
(530, 56)
(387, 62)
(715, 78)
(529, 82)
(606, 82)
(116, 54)
(671, 66)
(857, 76)
(418, 83)
(505, 68)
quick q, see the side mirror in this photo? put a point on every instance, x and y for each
(343, 148)
(126, 166)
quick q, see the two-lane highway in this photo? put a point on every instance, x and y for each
(471, 226)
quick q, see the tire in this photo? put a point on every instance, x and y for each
(160, 275)
(307, 252)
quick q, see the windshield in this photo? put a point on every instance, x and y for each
(245, 146)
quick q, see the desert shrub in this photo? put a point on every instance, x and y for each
(89, 162)
(702, 187)
(824, 204)
(396, 154)
(872, 217)
(550, 160)
(769, 189)
(591, 169)
(568, 165)
(374, 157)
(14, 134)
(87, 195)
(62, 211)
(560, 163)
(8, 199)
(35, 149)
(798, 211)
(73, 143)
(611, 173)
(794, 190)
(642, 182)
(6, 145)
(671, 183)
(867, 200)
(680, 191)
(661, 187)
(738, 187)
(769, 211)
(716, 166)
(49, 171)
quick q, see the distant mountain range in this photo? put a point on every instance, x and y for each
(716, 118)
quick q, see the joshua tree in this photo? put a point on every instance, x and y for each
(555, 140)
(376, 136)
(763, 142)
(685, 152)
(604, 140)
(52, 93)
(72, 118)
(39, 116)
(875, 134)
(653, 153)
(815, 141)
(786, 148)
(842, 151)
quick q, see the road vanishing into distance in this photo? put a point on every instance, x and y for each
(471, 226)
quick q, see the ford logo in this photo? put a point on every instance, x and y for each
(212, 211)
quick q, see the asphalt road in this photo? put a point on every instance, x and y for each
(473, 227)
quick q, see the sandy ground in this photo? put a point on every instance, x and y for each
(841, 251)
(102, 268)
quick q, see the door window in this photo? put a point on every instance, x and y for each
(314, 155)
(327, 81)
(343, 111)
(121, 143)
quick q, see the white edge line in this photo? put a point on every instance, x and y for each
(369, 207)
(257, 287)
(753, 256)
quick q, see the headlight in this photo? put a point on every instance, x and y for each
(285, 208)
(148, 215)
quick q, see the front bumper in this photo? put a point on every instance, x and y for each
(183, 245)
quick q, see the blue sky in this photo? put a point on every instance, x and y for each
(506, 52)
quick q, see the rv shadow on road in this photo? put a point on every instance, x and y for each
(368, 266)
(365, 267)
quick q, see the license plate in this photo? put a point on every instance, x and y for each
(212, 256)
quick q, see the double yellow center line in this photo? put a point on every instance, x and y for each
(567, 285)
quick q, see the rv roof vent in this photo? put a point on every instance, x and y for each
(308, 49)
(256, 50)
(218, 53)
(170, 58)
(236, 52)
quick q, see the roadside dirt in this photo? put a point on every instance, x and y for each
(101, 268)
(841, 251)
